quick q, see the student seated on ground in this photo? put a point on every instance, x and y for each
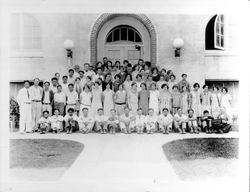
(192, 122)
(206, 121)
(101, 121)
(222, 124)
(85, 121)
(113, 121)
(140, 121)
(71, 120)
(127, 121)
(44, 122)
(151, 121)
(180, 121)
(165, 121)
(56, 121)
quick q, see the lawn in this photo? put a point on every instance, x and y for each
(203, 158)
(42, 159)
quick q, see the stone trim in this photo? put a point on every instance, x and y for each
(108, 16)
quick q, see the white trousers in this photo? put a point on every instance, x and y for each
(36, 108)
(25, 118)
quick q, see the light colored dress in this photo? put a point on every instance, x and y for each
(215, 104)
(127, 85)
(108, 102)
(120, 101)
(133, 101)
(96, 101)
(154, 100)
(205, 105)
(185, 96)
(143, 101)
(225, 102)
(165, 100)
(196, 103)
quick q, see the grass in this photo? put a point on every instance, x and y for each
(43, 153)
(203, 158)
(201, 148)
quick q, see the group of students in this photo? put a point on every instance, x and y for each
(110, 97)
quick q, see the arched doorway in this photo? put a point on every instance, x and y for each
(123, 36)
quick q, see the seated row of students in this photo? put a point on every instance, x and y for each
(128, 123)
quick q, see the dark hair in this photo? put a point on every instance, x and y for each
(145, 85)
(77, 78)
(216, 87)
(45, 111)
(165, 109)
(172, 76)
(139, 109)
(89, 77)
(154, 68)
(86, 86)
(169, 71)
(203, 87)
(46, 82)
(164, 85)
(26, 81)
(184, 74)
(57, 73)
(56, 110)
(65, 76)
(117, 75)
(71, 110)
(175, 86)
(100, 109)
(129, 76)
(129, 65)
(70, 85)
(71, 70)
(163, 69)
(85, 108)
(104, 58)
(125, 61)
(138, 75)
(54, 78)
(224, 89)
(190, 110)
(196, 85)
(153, 83)
(205, 111)
(133, 83)
(96, 82)
(81, 71)
(179, 108)
(58, 86)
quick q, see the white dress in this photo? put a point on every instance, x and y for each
(96, 102)
(196, 103)
(108, 102)
(225, 102)
(133, 101)
(215, 104)
(154, 100)
(85, 101)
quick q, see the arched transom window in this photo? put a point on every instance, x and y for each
(215, 33)
(25, 33)
(123, 33)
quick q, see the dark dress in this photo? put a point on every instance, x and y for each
(144, 101)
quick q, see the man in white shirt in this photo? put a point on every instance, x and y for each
(98, 75)
(36, 93)
(47, 98)
(82, 79)
(65, 84)
(59, 100)
(71, 77)
(127, 121)
(165, 121)
(88, 71)
(140, 121)
(71, 98)
(54, 82)
(180, 121)
(101, 121)
(151, 121)
(24, 102)
(86, 122)
(76, 69)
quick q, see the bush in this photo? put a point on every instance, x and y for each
(14, 112)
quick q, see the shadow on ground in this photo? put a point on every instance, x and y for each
(203, 158)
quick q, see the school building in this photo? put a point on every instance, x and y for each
(203, 46)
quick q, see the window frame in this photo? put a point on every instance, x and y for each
(119, 27)
(221, 24)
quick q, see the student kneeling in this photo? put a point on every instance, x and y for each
(86, 122)
(101, 121)
(180, 121)
(140, 121)
(165, 121)
(44, 123)
(127, 121)
(192, 122)
(151, 121)
(113, 121)
(70, 121)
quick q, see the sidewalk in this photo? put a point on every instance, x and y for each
(125, 163)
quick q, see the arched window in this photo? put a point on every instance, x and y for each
(215, 33)
(123, 33)
(25, 33)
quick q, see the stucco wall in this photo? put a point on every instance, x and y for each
(191, 28)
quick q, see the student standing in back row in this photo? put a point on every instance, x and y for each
(24, 102)
(47, 98)
(36, 93)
